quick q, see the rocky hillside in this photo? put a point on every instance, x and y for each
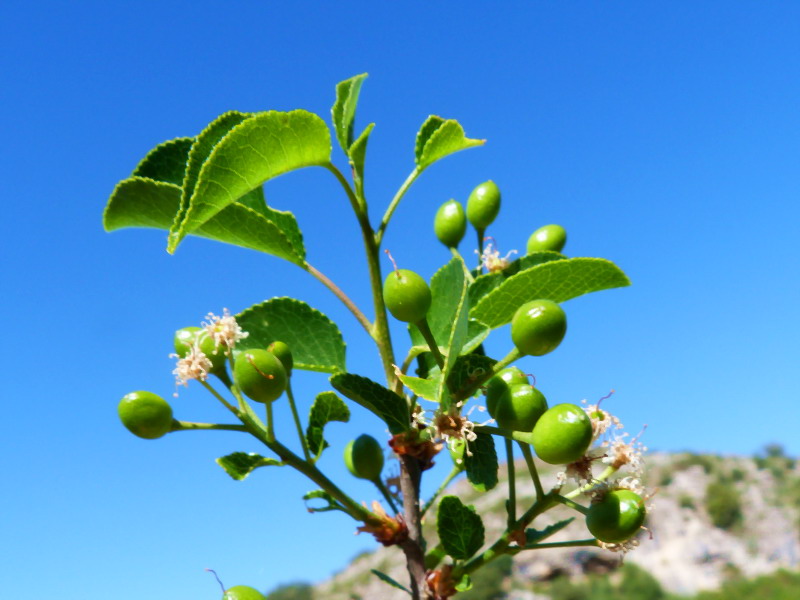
(711, 517)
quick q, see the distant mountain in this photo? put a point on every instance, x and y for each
(712, 518)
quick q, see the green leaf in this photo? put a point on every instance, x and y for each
(330, 502)
(344, 109)
(374, 397)
(558, 280)
(386, 579)
(534, 536)
(482, 466)
(141, 202)
(424, 388)
(484, 284)
(258, 149)
(467, 370)
(358, 152)
(459, 527)
(240, 464)
(166, 162)
(464, 584)
(315, 341)
(327, 407)
(439, 137)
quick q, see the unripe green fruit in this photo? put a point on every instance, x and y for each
(617, 517)
(185, 339)
(562, 434)
(450, 223)
(512, 375)
(260, 375)
(243, 592)
(145, 414)
(457, 448)
(483, 205)
(518, 407)
(363, 457)
(406, 295)
(283, 354)
(538, 327)
(549, 237)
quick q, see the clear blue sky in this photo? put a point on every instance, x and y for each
(664, 138)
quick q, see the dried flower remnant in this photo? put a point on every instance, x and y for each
(440, 583)
(490, 257)
(389, 531)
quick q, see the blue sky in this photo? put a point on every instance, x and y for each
(666, 139)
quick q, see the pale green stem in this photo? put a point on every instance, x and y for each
(351, 306)
(608, 472)
(526, 452)
(480, 251)
(393, 205)
(358, 209)
(570, 544)
(572, 504)
(453, 474)
(190, 426)
(426, 332)
(382, 488)
(512, 484)
(296, 417)
(270, 427)
(217, 395)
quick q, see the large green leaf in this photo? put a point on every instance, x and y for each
(459, 316)
(558, 280)
(260, 148)
(327, 407)
(439, 137)
(315, 341)
(201, 149)
(240, 464)
(374, 397)
(142, 202)
(166, 162)
(344, 109)
(482, 465)
(484, 284)
(459, 527)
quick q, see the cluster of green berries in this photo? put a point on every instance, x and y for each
(261, 374)
(483, 206)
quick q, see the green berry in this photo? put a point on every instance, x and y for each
(363, 457)
(457, 448)
(538, 327)
(185, 338)
(450, 223)
(483, 205)
(562, 434)
(145, 414)
(260, 375)
(517, 406)
(617, 517)
(512, 375)
(283, 354)
(406, 295)
(243, 592)
(549, 237)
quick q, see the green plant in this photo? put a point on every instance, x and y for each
(363, 457)
(515, 406)
(193, 186)
(724, 505)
